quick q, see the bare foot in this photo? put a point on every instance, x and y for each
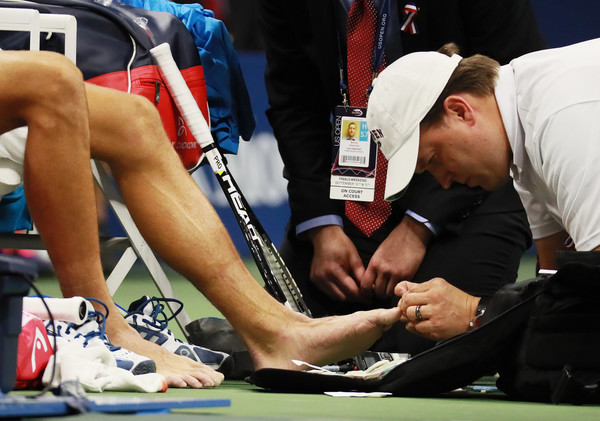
(178, 370)
(321, 341)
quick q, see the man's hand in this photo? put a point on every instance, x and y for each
(396, 259)
(445, 310)
(336, 266)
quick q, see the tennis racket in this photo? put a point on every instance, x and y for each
(276, 275)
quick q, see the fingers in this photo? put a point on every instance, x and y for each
(379, 284)
(391, 286)
(347, 285)
(330, 289)
(410, 299)
(403, 287)
(413, 287)
(417, 320)
(340, 286)
(384, 287)
(416, 313)
(357, 267)
(418, 316)
(427, 329)
(367, 281)
(414, 294)
(436, 309)
(409, 302)
(335, 273)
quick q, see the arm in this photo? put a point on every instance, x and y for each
(569, 151)
(444, 209)
(547, 248)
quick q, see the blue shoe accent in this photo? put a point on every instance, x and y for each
(147, 316)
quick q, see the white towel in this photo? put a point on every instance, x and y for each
(12, 155)
(96, 369)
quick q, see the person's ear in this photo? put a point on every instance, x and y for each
(458, 107)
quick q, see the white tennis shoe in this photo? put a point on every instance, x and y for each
(147, 316)
(92, 333)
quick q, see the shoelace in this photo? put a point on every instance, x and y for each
(100, 319)
(160, 319)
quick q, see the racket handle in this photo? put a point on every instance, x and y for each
(185, 101)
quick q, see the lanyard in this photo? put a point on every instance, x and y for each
(378, 48)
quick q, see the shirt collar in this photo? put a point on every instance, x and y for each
(506, 97)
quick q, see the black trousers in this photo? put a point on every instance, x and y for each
(480, 258)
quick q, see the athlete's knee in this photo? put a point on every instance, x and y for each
(146, 129)
(37, 84)
(145, 111)
(55, 90)
(55, 79)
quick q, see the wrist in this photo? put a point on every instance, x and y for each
(477, 317)
(322, 232)
(419, 229)
(425, 221)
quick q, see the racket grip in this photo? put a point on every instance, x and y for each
(74, 309)
(185, 101)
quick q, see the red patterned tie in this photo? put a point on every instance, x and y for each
(362, 26)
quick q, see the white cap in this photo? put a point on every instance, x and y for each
(402, 95)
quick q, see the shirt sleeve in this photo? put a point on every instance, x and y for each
(541, 221)
(569, 152)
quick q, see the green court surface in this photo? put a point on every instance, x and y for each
(250, 402)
